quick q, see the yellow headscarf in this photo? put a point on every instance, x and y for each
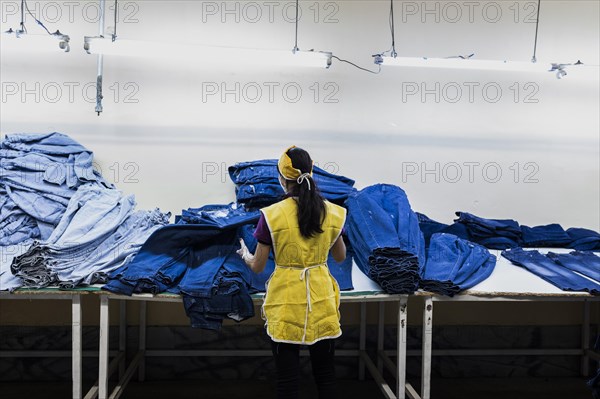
(288, 171)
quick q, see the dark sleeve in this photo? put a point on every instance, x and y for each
(262, 232)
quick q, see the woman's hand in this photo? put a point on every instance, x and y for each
(244, 252)
(256, 262)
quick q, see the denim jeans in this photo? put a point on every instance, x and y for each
(97, 233)
(8, 281)
(454, 265)
(384, 232)
(552, 235)
(257, 183)
(554, 273)
(586, 263)
(195, 258)
(226, 296)
(584, 239)
(46, 143)
(493, 233)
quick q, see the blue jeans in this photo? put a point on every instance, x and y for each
(46, 143)
(384, 232)
(586, 263)
(257, 183)
(493, 233)
(454, 265)
(584, 239)
(552, 235)
(8, 281)
(97, 232)
(554, 273)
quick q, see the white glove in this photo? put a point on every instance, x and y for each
(244, 252)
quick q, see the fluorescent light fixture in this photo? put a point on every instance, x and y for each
(27, 42)
(462, 63)
(205, 55)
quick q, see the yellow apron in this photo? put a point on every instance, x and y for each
(302, 300)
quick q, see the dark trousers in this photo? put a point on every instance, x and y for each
(287, 360)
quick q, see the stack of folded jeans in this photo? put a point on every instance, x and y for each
(491, 233)
(99, 232)
(15, 225)
(257, 183)
(560, 270)
(429, 227)
(39, 173)
(584, 239)
(195, 258)
(384, 232)
(552, 235)
(454, 264)
(7, 253)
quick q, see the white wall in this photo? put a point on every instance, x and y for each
(169, 142)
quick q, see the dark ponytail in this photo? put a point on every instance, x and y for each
(311, 206)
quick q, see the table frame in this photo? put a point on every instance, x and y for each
(429, 298)
(76, 345)
(402, 388)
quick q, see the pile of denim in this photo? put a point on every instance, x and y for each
(99, 232)
(384, 232)
(507, 233)
(196, 258)
(257, 183)
(454, 264)
(39, 173)
(575, 271)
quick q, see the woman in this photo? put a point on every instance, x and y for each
(301, 305)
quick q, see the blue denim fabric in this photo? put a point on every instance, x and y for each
(429, 227)
(40, 173)
(584, 239)
(218, 216)
(384, 232)
(493, 233)
(46, 143)
(586, 263)
(8, 281)
(552, 235)
(454, 265)
(195, 258)
(554, 273)
(259, 280)
(97, 233)
(257, 183)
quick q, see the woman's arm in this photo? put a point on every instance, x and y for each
(338, 250)
(258, 261)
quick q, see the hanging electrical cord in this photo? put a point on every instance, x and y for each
(296, 49)
(356, 66)
(23, 2)
(393, 53)
(537, 22)
(114, 35)
(296, 40)
(23, 29)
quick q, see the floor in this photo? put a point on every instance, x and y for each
(494, 388)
